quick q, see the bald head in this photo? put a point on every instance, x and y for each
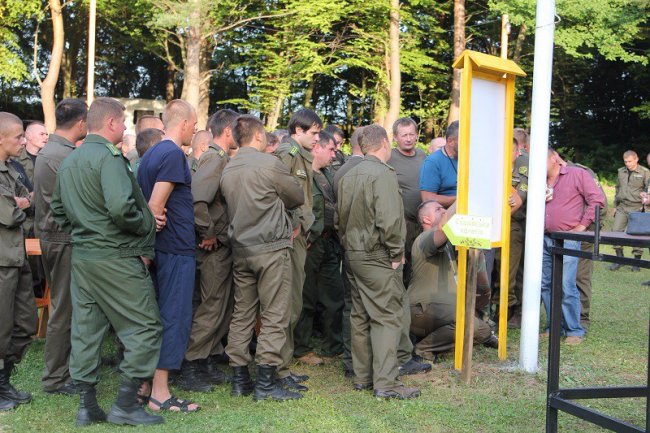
(437, 143)
(8, 121)
(175, 112)
(12, 137)
(147, 122)
(200, 143)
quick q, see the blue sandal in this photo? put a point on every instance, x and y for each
(167, 405)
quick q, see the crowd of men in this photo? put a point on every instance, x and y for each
(231, 243)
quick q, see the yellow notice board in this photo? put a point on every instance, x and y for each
(487, 98)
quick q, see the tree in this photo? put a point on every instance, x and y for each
(12, 15)
(459, 46)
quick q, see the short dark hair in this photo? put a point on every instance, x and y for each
(372, 137)
(324, 138)
(404, 121)
(304, 119)
(244, 129)
(272, 139)
(452, 130)
(147, 138)
(334, 130)
(221, 120)
(69, 111)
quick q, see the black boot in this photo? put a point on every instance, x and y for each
(7, 391)
(636, 268)
(192, 377)
(241, 382)
(616, 266)
(267, 387)
(126, 409)
(89, 410)
(214, 375)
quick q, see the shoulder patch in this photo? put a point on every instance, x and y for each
(523, 170)
(221, 152)
(114, 150)
(294, 150)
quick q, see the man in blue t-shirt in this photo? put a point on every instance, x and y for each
(439, 172)
(165, 179)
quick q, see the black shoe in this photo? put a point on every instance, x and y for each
(362, 386)
(414, 366)
(241, 382)
(67, 389)
(7, 391)
(349, 373)
(616, 266)
(126, 409)
(400, 392)
(89, 410)
(299, 378)
(7, 404)
(636, 268)
(267, 387)
(192, 378)
(214, 375)
(492, 342)
(646, 283)
(290, 384)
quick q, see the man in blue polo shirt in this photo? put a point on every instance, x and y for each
(439, 172)
(165, 179)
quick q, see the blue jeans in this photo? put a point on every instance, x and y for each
(570, 294)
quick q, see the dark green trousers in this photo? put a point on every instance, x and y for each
(56, 263)
(262, 283)
(322, 283)
(347, 308)
(211, 318)
(517, 243)
(376, 321)
(18, 319)
(117, 293)
(297, 279)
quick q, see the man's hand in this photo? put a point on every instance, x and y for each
(208, 244)
(147, 262)
(645, 198)
(579, 228)
(295, 233)
(396, 265)
(161, 220)
(22, 202)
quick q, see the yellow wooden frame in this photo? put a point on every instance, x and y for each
(496, 69)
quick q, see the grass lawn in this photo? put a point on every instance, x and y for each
(499, 399)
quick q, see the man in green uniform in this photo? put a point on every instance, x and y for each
(17, 309)
(322, 267)
(339, 139)
(633, 179)
(371, 228)
(55, 243)
(213, 256)
(258, 190)
(200, 143)
(432, 291)
(98, 201)
(304, 127)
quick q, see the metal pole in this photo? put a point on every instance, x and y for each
(541, 107)
(90, 88)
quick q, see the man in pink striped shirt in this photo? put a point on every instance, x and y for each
(571, 199)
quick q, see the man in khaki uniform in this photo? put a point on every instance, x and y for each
(371, 228)
(633, 179)
(17, 308)
(55, 243)
(432, 291)
(304, 127)
(98, 201)
(213, 257)
(258, 190)
(200, 143)
(322, 267)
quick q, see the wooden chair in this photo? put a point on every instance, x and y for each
(33, 248)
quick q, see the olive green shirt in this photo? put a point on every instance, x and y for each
(100, 203)
(324, 206)
(520, 184)
(47, 165)
(210, 215)
(12, 240)
(258, 190)
(629, 186)
(298, 160)
(26, 160)
(431, 270)
(371, 214)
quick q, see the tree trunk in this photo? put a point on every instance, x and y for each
(394, 75)
(48, 85)
(348, 115)
(66, 76)
(362, 97)
(309, 92)
(169, 85)
(519, 44)
(272, 120)
(192, 61)
(204, 87)
(459, 46)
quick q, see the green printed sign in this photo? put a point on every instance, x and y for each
(469, 231)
